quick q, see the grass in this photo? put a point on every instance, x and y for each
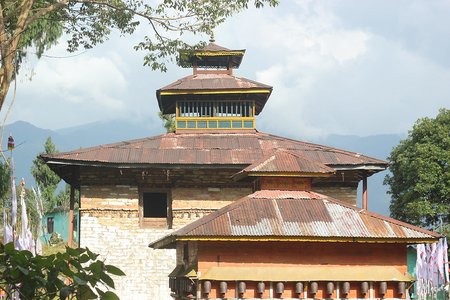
(53, 249)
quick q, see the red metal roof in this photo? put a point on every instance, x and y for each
(212, 56)
(213, 47)
(210, 149)
(299, 214)
(205, 82)
(199, 85)
(282, 161)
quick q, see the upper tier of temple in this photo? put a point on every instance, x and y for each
(212, 98)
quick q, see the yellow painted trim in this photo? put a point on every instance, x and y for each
(215, 118)
(218, 53)
(289, 174)
(218, 119)
(215, 92)
(307, 239)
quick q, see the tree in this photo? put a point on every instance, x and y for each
(169, 122)
(69, 275)
(420, 174)
(4, 180)
(40, 24)
(46, 179)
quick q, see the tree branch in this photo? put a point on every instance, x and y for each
(46, 10)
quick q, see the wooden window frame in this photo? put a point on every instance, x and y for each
(52, 219)
(155, 222)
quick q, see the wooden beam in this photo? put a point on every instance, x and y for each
(71, 207)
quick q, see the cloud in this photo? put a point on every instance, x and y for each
(64, 90)
(342, 67)
(334, 76)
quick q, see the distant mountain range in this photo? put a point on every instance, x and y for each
(30, 139)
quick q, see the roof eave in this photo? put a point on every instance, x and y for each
(366, 167)
(167, 242)
(307, 239)
(82, 163)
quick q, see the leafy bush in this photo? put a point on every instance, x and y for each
(55, 238)
(75, 274)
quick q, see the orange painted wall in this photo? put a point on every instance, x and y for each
(271, 254)
(292, 254)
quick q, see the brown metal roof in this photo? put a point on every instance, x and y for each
(213, 82)
(285, 162)
(213, 47)
(298, 214)
(210, 149)
(212, 56)
(205, 84)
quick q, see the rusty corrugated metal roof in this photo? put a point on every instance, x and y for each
(213, 47)
(205, 82)
(285, 162)
(212, 56)
(213, 87)
(209, 149)
(300, 214)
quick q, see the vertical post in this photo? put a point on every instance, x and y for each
(364, 192)
(71, 207)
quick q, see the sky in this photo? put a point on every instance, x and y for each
(336, 67)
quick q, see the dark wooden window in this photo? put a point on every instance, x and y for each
(155, 205)
(50, 224)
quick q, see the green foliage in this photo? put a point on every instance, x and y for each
(41, 34)
(46, 179)
(169, 122)
(55, 239)
(5, 180)
(74, 274)
(420, 167)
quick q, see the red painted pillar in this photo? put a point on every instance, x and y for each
(71, 207)
(364, 192)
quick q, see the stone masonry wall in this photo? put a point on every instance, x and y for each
(344, 193)
(189, 204)
(110, 226)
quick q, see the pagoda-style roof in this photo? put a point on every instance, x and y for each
(212, 87)
(212, 56)
(285, 163)
(194, 150)
(296, 216)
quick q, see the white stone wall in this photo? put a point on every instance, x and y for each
(110, 227)
(126, 246)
